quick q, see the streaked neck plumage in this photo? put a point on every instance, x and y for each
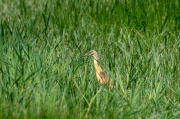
(96, 62)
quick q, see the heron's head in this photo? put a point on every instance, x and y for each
(92, 53)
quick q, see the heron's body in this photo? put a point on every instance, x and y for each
(102, 77)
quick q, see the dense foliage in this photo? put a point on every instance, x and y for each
(43, 73)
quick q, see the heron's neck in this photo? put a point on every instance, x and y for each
(97, 66)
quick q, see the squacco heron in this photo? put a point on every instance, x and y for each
(102, 77)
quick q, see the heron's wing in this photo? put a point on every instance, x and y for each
(104, 77)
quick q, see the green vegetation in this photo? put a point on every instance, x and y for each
(42, 73)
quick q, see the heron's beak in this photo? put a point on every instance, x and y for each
(87, 54)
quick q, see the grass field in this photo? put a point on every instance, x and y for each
(43, 73)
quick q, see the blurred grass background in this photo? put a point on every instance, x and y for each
(42, 73)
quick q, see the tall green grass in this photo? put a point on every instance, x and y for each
(42, 73)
